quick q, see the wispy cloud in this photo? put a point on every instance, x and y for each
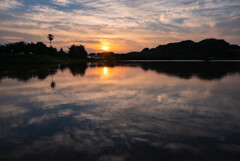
(62, 2)
(124, 25)
(9, 4)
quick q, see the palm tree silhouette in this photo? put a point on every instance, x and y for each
(50, 38)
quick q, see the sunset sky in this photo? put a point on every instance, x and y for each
(120, 25)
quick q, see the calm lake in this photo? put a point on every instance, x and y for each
(169, 111)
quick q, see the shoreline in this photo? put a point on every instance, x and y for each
(7, 59)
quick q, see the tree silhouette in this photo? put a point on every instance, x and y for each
(78, 51)
(50, 38)
(53, 84)
(61, 52)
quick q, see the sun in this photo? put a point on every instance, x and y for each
(105, 48)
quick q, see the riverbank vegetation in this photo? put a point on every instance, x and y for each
(39, 53)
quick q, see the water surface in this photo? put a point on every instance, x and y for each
(135, 111)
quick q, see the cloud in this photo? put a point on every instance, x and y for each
(11, 111)
(62, 2)
(85, 115)
(9, 4)
(137, 24)
(88, 41)
(229, 27)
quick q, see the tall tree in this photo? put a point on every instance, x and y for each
(77, 51)
(50, 38)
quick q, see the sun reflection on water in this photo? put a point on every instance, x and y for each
(105, 70)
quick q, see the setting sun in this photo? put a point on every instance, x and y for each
(105, 48)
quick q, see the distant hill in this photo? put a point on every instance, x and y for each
(206, 50)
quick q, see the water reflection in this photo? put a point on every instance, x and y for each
(184, 70)
(202, 70)
(78, 69)
(129, 115)
(53, 84)
(105, 70)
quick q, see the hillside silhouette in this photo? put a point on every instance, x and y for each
(205, 50)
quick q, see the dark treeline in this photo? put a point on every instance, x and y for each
(183, 70)
(29, 48)
(205, 50)
(39, 48)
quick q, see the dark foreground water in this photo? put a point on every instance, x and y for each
(113, 112)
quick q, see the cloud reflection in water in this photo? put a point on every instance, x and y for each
(128, 115)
